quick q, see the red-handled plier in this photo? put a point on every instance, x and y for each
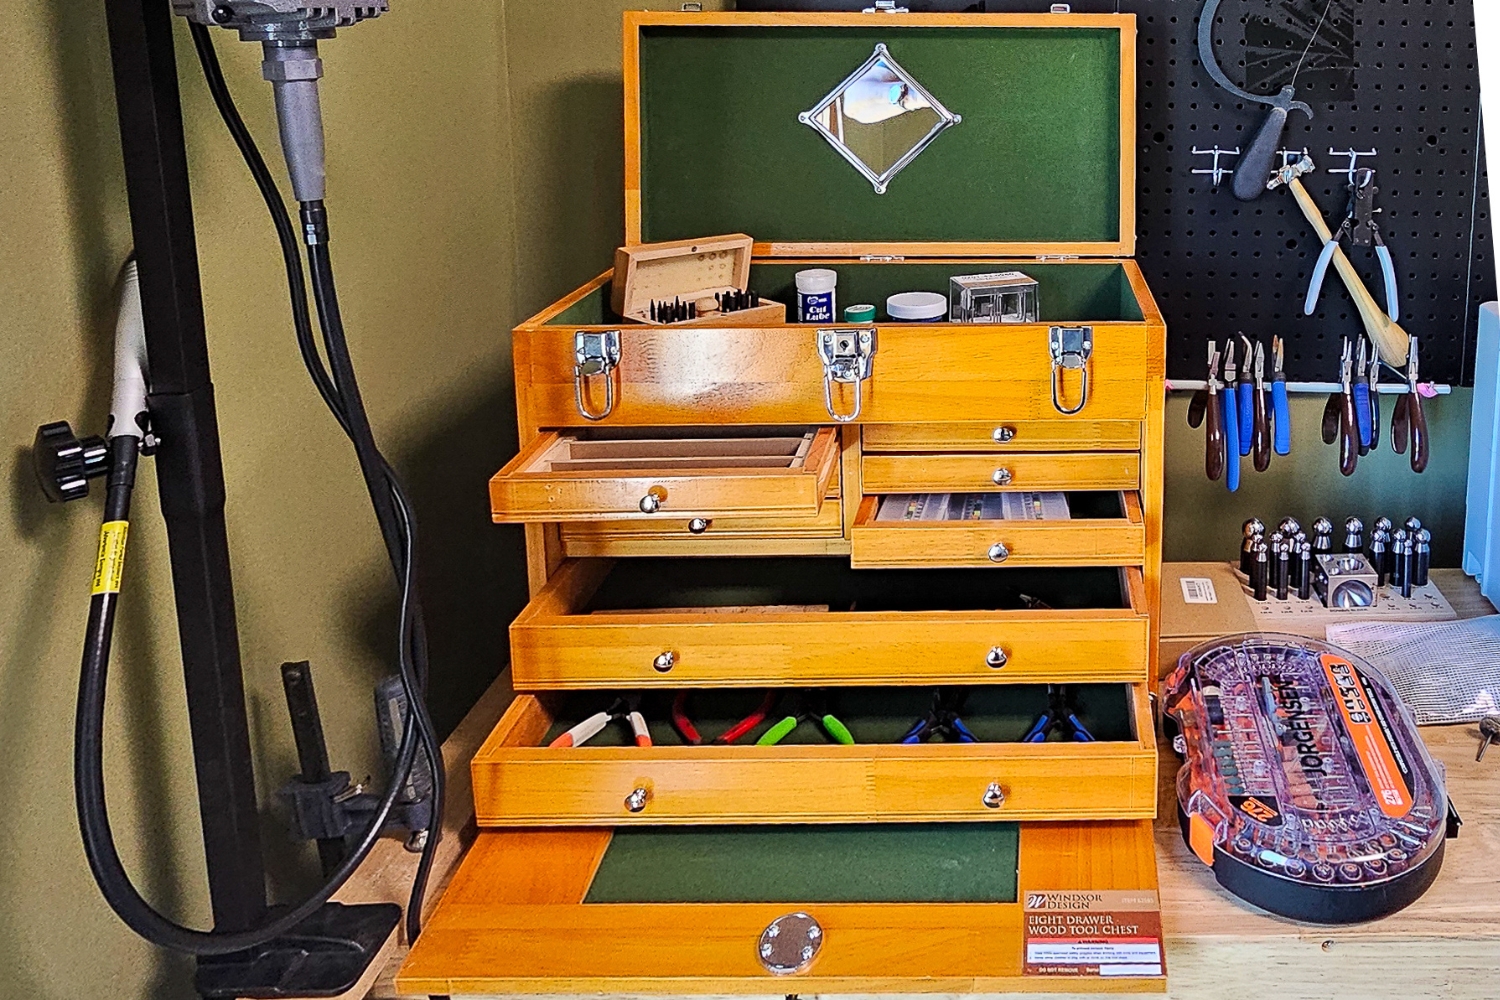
(626, 708)
(689, 732)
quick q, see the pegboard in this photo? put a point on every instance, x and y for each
(1398, 76)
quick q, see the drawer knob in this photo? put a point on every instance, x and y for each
(1002, 477)
(665, 661)
(1004, 435)
(652, 501)
(699, 525)
(999, 553)
(994, 796)
(996, 657)
(636, 801)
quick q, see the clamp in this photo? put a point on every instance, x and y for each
(689, 731)
(626, 708)
(943, 720)
(1060, 715)
(800, 708)
(1360, 226)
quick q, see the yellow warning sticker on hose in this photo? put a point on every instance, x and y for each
(110, 566)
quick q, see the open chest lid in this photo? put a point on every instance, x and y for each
(990, 134)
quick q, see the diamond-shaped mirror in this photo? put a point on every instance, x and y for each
(879, 119)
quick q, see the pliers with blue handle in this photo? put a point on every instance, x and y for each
(1059, 715)
(1359, 224)
(1281, 410)
(1231, 422)
(1363, 417)
(1246, 392)
(943, 720)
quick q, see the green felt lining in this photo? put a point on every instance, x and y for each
(995, 713)
(1066, 293)
(876, 863)
(1035, 159)
(646, 583)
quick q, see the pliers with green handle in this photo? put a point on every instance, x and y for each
(801, 707)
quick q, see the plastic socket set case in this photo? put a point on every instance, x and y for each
(1306, 787)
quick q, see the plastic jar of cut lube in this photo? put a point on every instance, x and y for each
(816, 294)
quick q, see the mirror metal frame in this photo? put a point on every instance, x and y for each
(880, 181)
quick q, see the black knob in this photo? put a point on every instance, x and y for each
(64, 464)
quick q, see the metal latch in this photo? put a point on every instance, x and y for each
(1071, 347)
(595, 354)
(886, 7)
(848, 356)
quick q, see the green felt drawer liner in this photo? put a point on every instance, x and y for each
(1035, 159)
(1066, 293)
(648, 583)
(875, 863)
(999, 713)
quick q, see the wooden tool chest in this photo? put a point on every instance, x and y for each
(702, 507)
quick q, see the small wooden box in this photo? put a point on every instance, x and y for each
(691, 271)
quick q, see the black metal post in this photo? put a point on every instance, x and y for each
(190, 473)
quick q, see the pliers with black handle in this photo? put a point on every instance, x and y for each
(1339, 419)
(1409, 419)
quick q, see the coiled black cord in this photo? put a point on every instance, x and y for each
(393, 509)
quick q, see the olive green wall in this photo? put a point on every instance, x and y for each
(420, 170)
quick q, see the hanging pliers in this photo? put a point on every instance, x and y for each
(1281, 409)
(1372, 376)
(1339, 419)
(800, 708)
(1260, 418)
(943, 720)
(1409, 419)
(688, 730)
(625, 708)
(1362, 399)
(1061, 715)
(1245, 392)
(1360, 225)
(1205, 407)
(1231, 421)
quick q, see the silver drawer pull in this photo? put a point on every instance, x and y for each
(999, 553)
(637, 799)
(996, 658)
(994, 796)
(652, 501)
(1003, 477)
(665, 661)
(1004, 435)
(699, 525)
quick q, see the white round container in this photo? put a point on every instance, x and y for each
(816, 295)
(917, 307)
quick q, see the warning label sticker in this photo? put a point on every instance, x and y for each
(1093, 933)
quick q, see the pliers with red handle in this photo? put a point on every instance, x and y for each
(689, 732)
(625, 708)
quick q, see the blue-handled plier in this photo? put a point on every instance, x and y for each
(1281, 410)
(1360, 226)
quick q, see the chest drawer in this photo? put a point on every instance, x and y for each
(1014, 435)
(954, 473)
(521, 781)
(1106, 529)
(676, 475)
(658, 623)
(822, 533)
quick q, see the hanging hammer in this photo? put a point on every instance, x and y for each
(1388, 337)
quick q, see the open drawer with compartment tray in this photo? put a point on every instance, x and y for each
(930, 908)
(677, 473)
(1102, 529)
(638, 623)
(519, 780)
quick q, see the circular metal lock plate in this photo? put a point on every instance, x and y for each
(790, 944)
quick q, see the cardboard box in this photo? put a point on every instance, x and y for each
(1186, 623)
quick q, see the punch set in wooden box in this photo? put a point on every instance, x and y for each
(835, 672)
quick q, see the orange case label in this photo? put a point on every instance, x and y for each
(1370, 742)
